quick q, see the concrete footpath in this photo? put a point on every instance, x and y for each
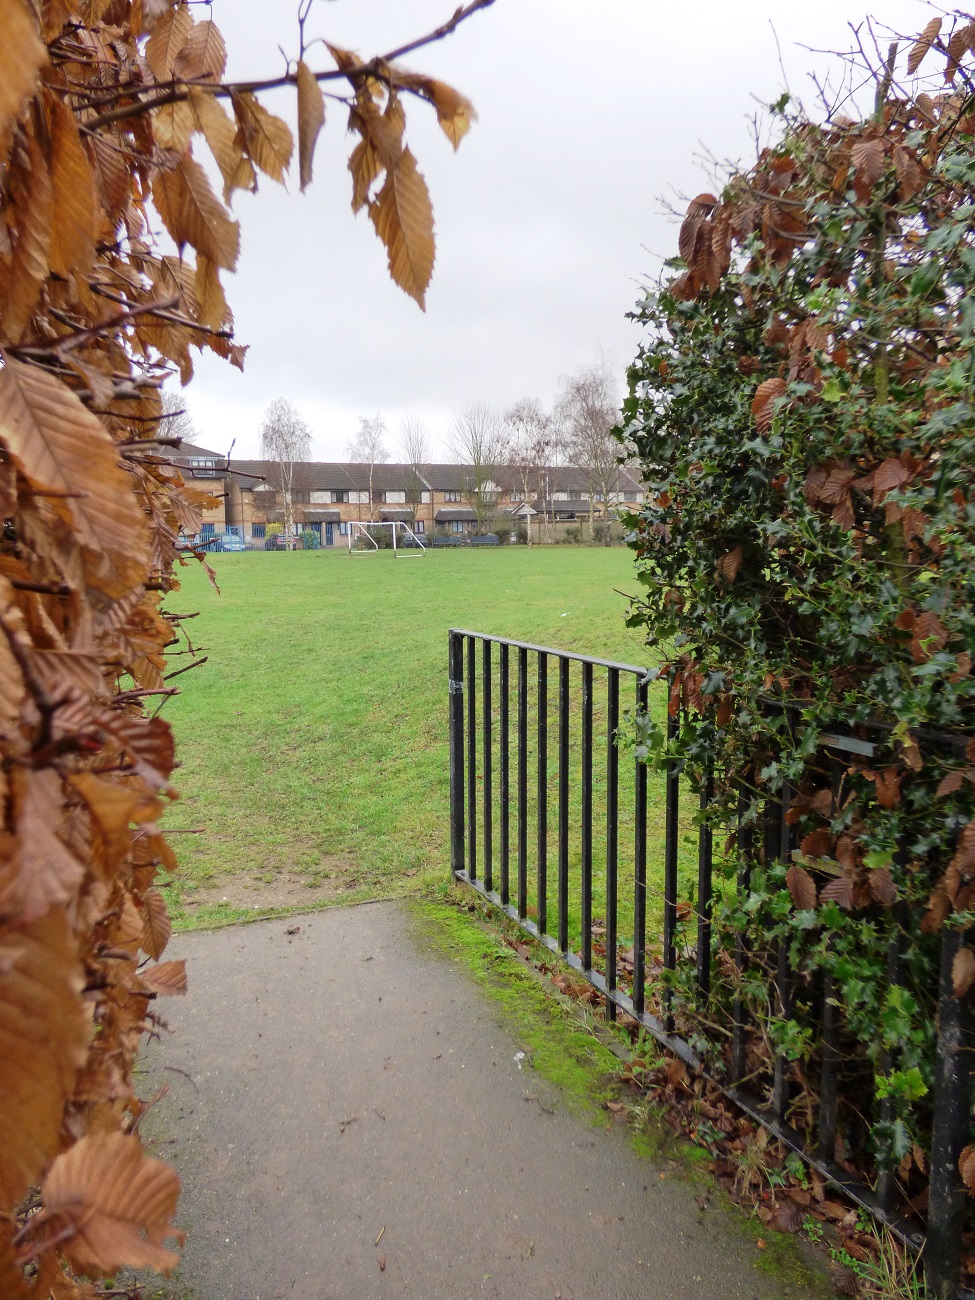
(350, 1123)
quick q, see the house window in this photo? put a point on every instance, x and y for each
(302, 498)
(203, 468)
(206, 532)
(631, 496)
(395, 498)
(340, 495)
(516, 495)
(451, 496)
(343, 530)
(258, 530)
(456, 525)
(418, 526)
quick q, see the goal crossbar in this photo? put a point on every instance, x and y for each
(406, 544)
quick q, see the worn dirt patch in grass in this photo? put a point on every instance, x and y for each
(264, 891)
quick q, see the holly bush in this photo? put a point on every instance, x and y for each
(802, 405)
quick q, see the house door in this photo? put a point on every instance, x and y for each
(329, 534)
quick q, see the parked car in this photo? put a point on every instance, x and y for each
(275, 543)
(230, 542)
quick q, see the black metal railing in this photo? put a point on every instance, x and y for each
(585, 894)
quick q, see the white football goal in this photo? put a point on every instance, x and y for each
(371, 537)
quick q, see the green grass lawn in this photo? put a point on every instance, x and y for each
(314, 741)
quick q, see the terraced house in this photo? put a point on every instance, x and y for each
(327, 497)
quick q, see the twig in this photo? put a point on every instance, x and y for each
(374, 68)
(199, 663)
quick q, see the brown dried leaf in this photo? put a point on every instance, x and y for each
(817, 844)
(962, 971)
(882, 887)
(802, 887)
(44, 1033)
(929, 637)
(157, 927)
(76, 215)
(939, 906)
(923, 43)
(193, 214)
(962, 40)
(203, 55)
(762, 403)
(220, 133)
(403, 218)
(43, 873)
(839, 891)
(311, 118)
(60, 447)
(454, 113)
(22, 55)
(147, 741)
(729, 565)
(891, 474)
(266, 138)
(167, 40)
(966, 1167)
(868, 159)
(910, 172)
(950, 783)
(30, 262)
(167, 979)
(119, 1202)
(836, 489)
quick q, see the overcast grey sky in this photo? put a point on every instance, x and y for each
(548, 217)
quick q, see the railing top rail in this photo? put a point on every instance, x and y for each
(551, 650)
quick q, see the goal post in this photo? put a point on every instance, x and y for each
(370, 537)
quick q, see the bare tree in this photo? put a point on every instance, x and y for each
(415, 444)
(478, 441)
(532, 437)
(368, 447)
(285, 439)
(176, 421)
(588, 410)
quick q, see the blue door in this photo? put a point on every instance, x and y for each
(329, 535)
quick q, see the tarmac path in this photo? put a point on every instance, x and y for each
(350, 1122)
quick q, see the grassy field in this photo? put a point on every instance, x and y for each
(314, 741)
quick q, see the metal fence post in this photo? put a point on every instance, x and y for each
(951, 1130)
(456, 701)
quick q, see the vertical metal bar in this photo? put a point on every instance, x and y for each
(739, 1043)
(704, 867)
(504, 773)
(612, 833)
(487, 801)
(670, 868)
(471, 758)
(828, 1092)
(563, 884)
(886, 1185)
(780, 1082)
(829, 1074)
(640, 868)
(587, 816)
(950, 1129)
(522, 782)
(541, 819)
(456, 688)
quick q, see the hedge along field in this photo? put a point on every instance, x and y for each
(314, 740)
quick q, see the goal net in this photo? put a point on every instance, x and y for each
(387, 535)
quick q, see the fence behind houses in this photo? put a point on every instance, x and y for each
(549, 821)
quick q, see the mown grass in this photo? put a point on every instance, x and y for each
(314, 741)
